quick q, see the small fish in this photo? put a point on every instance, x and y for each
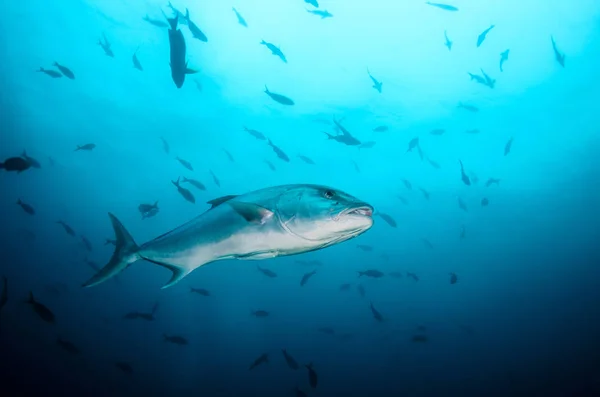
(313, 3)
(136, 62)
(106, 46)
(445, 7)
(420, 338)
(395, 274)
(166, 147)
(215, 179)
(125, 367)
(413, 276)
(257, 134)
(492, 181)
(488, 80)
(86, 243)
(52, 73)
(240, 19)
(376, 313)
(483, 35)
(472, 131)
(307, 160)
(425, 193)
(87, 146)
(200, 291)
(470, 108)
(447, 41)
(434, 164)
(462, 205)
(298, 393)
(485, 202)
(427, 243)
(560, 57)
(326, 330)
(271, 166)
(186, 194)
(402, 199)
(267, 272)
(177, 340)
(463, 175)
(387, 218)
(274, 51)
(194, 29)
(361, 290)
(280, 153)
(312, 376)
(407, 184)
(376, 83)
(453, 278)
(437, 131)
(229, 156)
(306, 277)
(185, 163)
(67, 228)
(463, 232)
(26, 207)
(65, 71)
(364, 247)
(322, 13)
(503, 58)
(282, 99)
(367, 145)
(356, 167)
(381, 128)
(292, 364)
(195, 183)
(413, 143)
(345, 287)
(67, 346)
(260, 313)
(373, 273)
(156, 22)
(262, 359)
(198, 85)
(33, 162)
(180, 15)
(508, 146)
(42, 311)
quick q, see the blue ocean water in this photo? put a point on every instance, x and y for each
(489, 282)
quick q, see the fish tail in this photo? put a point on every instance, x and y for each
(78, 148)
(156, 204)
(56, 64)
(267, 89)
(360, 274)
(31, 299)
(124, 255)
(176, 183)
(173, 22)
(19, 202)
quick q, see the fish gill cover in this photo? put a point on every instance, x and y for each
(436, 233)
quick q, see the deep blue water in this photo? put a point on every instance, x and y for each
(522, 318)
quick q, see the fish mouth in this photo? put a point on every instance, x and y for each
(363, 210)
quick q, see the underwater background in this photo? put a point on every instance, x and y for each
(485, 288)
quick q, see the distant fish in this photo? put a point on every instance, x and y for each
(381, 128)
(483, 35)
(262, 359)
(106, 46)
(322, 13)
(445, 7)
(306, 277)
(503, 58)
(148, 210)
(447, 41)
(195, 183)
(270, 165)
(356, 167)
(407, 184)
(462, 205)
(420, 338)
(178, 53)
(275, 50)
(472, 131)
(307, 160)
(52, 73)
(492, 181)
(560, 57)
(175, 339)
(376, 83)
(65, 71)
(434, 164)
(166, 147)
(463, 232)
(26, 207)
(125, 367)
(198, 85)
(33, 162)
(463, 176)
(178, 14)
(412, 275)
(267, 272)
(194, 29)
(280, 153)
(508, 146)
(376, 314)
(215, 179)
(86, 243)
(260, 313)
(42, 311)
(364, 247)
(468, 107)
(453, 278)
(200, 291)
(387, 218)
(413, 143)
(136, 62)
(185, 163)
(257, 134)
(156, 22)
(185, 193)
(292, 364)
(88, 147)
(373, 273)
(282, 99)
(67, 346)
(67, 228)
(427, 243)
(345, 287)
(425, 193)
(312, 376)
(485, 202)
(229, 156)
(313, 3)
(361, 290)
(240, 19)
(437, 131)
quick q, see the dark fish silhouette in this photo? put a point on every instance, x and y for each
(483, 35)
(177, 54)
(280, 153)
(42, 311)
(125, 367)
(463, 175)
(229, 156)
(52, 73)
(65, 71)
(106, 46)
(156, 22)
(87, 146)
(26, 207)
(387, 218)
(503, 58)
(306, 277)
(377, 85)
(376, 313)
(194, 29)
(136, 62)
(185, 193)
(508, 146)
(257, 134)
(275, 50)
(453, 278)
(260, 313)
(240, 19)
(176, 340)
(195, 183)
(166, 147)
(67, 228)
(462, 205)
(185, 163)
(67, 346)
(371, 273)
(18, 164)
(447, 41)
(307, 160)
(560, 57)
(485, 202)
(282, 99)
(200, 291)
(215, 179)
(312, 376)
(292, 364)
(267, 272)
(445, 7)
(262, 359)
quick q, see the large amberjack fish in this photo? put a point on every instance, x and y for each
(267, 223)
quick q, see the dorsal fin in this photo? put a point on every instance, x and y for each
(220, 200)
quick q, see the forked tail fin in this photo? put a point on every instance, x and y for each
(124, 255)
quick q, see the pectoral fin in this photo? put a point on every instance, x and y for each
(219, 200)
(190, 71)
(252, 212)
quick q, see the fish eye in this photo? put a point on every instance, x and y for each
(328, 194)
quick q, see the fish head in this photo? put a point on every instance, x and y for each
(323, 215)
